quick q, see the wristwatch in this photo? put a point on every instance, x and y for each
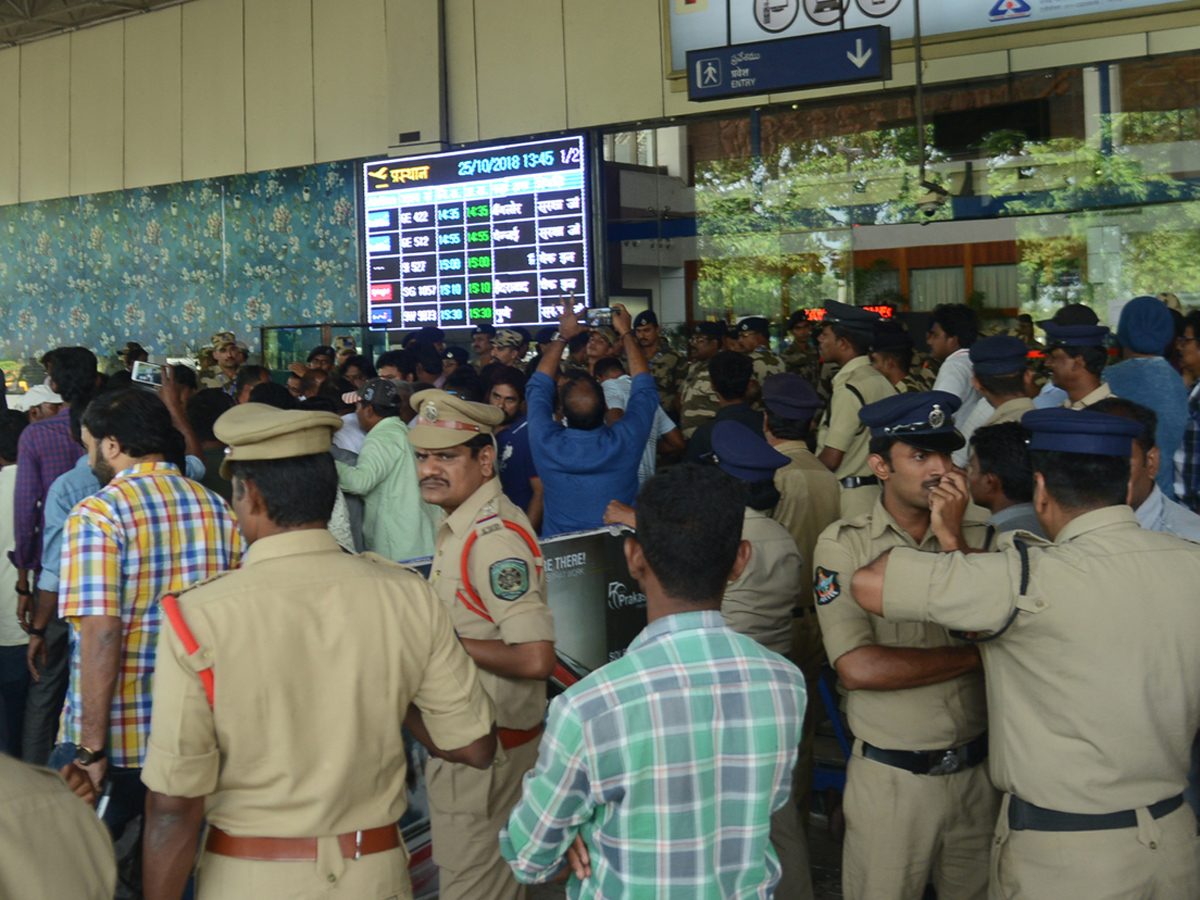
(85, 757)
(558, 337)
(24, 592)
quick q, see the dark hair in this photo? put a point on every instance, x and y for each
(762, 495)
(1003, 451)
(788, 429)
(607, 366)
(119, 379)
(477, 443)
(465, 382)
(689, 525)
(730, 373)
(902, 355)
(1094, 358)
(577, 344)
(1192, 320)
(137, 420)
(12, 423)
(511, 376)
(428, 359)
(401, 359)
(958, 321)
(74, 373)
(1127, 409)
(1003, 385)
(881, 445)
(206, 407)
(1082, 481)
(359, 362)
(298, 490)
(249, 375)
(582, 401)
(185, 376)
(859, 340)
(272, 394)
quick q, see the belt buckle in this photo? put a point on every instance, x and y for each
(358, 845)
(948, 764)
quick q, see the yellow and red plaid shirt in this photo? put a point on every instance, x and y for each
(149, 532)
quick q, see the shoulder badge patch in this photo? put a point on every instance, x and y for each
(509, 578)
(826, 586)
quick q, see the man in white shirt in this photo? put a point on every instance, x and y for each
(954, 329)
(664, 435)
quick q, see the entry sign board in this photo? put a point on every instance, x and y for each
(769, 67)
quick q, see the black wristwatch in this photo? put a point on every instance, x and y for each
(24, 592)
(85, 757)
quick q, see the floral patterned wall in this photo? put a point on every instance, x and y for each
(170, 266)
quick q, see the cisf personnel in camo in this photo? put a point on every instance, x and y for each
(488, 572)
(1092, 655)
(919, 807)
(698, 401)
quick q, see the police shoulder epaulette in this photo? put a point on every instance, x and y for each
(489, 521)
(209, 580)
(384, 561)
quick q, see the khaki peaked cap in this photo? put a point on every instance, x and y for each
(258, 431)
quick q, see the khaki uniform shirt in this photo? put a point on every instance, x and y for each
(54, 845)
(1010, 411)
(699, 402)
(1094, 689)
(1100, 393)
(840, 427)
(316, 654)
(933, 717)
(511, 585)
(669, 369)
(808, 504)
(760, 603)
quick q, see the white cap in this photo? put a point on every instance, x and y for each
(39, 394)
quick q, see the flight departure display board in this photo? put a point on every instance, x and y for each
(496, 235)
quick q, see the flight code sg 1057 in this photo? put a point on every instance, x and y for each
(496, 236)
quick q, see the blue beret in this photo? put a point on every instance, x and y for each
(428, 335)
(715, 330)
(790, 396)
(999, 355)
(852, 317)
(924, 419)
(526, 337)
(1146, 326)
(1081, 431)
(743, 454)
(754, 323)
(544, 335)
(645, 317)
(489, 330)
(1077, 335)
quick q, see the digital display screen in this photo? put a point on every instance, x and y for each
(495, 235)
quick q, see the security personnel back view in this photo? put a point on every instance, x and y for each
(487, 570)
(280, 689)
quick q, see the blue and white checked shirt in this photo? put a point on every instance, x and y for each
(669, 762)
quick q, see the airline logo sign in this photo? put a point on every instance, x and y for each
(1004, 10)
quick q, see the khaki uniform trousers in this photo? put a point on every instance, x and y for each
(378, 876)
(468, 807)
(904, 831)
(1158, 860)
(859, 501)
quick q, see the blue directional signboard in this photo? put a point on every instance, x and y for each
(816, 60)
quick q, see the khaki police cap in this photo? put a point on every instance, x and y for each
(444, 420)
(258, 431)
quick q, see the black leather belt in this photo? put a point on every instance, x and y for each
(1024, 816)
(857, 481)
(931, 762)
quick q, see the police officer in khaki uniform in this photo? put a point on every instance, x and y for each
(280, 689)
(698, 402)
(808, 504)
(919, 807)
(500, 614)
(845, 338)
(54, 844)
(759, 604)
(1093, 672)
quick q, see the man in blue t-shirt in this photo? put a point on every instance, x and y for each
(587, 464)
(518, 475)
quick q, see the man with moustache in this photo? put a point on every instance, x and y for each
(487, 570)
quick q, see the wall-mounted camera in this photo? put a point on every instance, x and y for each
(930, 203)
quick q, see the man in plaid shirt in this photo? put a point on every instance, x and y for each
(658, 773)
(149, 531)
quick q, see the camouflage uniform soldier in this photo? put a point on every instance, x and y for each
(225, 352)
(668, 367)
(754, 337)
(699, 402)
(892, 355)
(802, 358)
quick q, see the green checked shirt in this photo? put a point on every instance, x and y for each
(669, 762)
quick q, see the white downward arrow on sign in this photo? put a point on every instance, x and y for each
(859, 59)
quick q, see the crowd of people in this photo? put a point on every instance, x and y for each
(214, 639)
